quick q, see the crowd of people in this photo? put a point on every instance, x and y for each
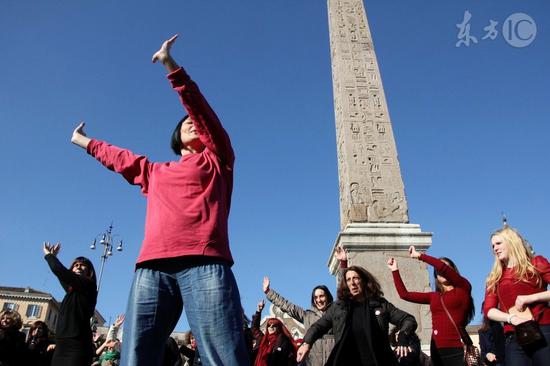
(354, 329)
(185, 259)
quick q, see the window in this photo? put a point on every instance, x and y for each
(33, 311)
(10, 306)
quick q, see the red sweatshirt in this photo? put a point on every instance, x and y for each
(457, 300)
(187, 201)
(509, 288)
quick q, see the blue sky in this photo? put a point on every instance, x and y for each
(471, 126)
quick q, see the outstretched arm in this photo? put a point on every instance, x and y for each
(316, 331)
(134, 168)
(286, 306)
(79, 137)
(442, 268)
(416, 297)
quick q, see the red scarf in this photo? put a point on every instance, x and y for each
(269, 341)
(267, 344)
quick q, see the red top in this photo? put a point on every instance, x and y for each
(187, 201)
(509, 289)
(456, 300)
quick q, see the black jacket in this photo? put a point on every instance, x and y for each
(492, 341)
(337, 318)
(78, 305)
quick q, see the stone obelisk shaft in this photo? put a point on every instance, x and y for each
(371, 187)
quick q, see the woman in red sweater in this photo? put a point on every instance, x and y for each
(518, 279)
(453, 292)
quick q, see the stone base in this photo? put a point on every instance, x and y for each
(369, 245)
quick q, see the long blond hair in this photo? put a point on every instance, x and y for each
(520, 253)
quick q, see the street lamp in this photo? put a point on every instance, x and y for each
(107, 242)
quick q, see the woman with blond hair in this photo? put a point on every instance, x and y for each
(518, 280)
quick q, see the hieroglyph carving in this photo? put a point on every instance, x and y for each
(371, 187)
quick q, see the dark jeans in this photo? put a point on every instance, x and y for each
(446, 356)
(535, 356)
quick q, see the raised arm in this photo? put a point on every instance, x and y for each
(255, 324)
(442, 268)
(163, 55)
(66, 277)
(207, 124)
(113, 329)
(286, 306)
(342, 257)
(416, 297)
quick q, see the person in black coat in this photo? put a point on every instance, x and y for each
(73, 333)
(360, 321)
(39, 345)
(12, 340)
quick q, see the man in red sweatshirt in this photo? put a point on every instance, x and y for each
(185, 255)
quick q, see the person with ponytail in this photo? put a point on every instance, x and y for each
(519, 280)
(452, 298)
(276, 345)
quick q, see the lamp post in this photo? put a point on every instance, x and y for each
(107, 242)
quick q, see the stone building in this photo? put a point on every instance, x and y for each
(34, 305)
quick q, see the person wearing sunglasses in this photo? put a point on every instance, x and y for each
(276, 346)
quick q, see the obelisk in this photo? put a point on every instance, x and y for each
(374, 216)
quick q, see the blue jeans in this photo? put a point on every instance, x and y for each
(518, 356)
(212, 306)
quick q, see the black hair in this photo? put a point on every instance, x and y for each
(175, 140)
(88, 263)
(330, 299)
(471, 311)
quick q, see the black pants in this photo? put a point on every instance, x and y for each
(446, 356)
(73, 352)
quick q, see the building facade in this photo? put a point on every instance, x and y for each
(34, 305)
